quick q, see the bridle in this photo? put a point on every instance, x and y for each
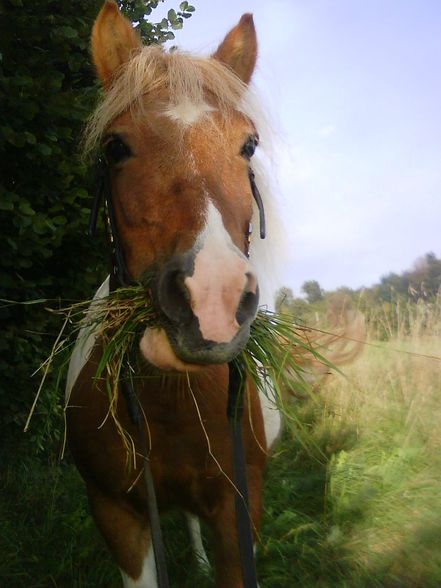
(120, 277)
(103, 195)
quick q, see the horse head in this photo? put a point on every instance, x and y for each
(178, 142)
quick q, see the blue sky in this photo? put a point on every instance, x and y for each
(354, 90)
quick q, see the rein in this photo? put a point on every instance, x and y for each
(120, 277)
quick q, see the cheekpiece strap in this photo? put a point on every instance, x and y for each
(258, 198)
(120, 274)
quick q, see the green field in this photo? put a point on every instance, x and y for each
(352, 498)
(356, 501)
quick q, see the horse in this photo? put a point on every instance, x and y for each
(178, 136)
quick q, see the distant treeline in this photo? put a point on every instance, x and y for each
(390, 306)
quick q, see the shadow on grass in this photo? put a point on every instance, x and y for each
(300, 546)
(48, 538)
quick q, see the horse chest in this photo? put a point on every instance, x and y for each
(189, 437)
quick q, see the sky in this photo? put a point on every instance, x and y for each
(354, 93)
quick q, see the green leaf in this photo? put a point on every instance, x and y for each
(183, 5)
(30, 138)
(17, 139)
(81, 193)
(171, 15)
(9, 196)
(29, 110)
(12, 243)
(40, 225)
(44, 149)
(67, 32)
(25, 208)
(59, 220)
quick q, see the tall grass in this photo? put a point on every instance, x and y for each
(367, 511)
(403, 318)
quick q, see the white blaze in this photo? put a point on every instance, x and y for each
(218, 281)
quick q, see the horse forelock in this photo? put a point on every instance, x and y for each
(158, 80)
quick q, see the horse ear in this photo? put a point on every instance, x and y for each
(113, 42)
(239, 48)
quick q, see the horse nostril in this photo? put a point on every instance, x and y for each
(249, 300)
(174, 297)
(251, 283)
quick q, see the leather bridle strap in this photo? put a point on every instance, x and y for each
(258, 198)
(118, 278)
(133, 408)
(236, 385)
(120, 275)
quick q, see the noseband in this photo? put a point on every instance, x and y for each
(120, 277)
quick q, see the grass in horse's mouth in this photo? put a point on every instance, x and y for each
(274, 357)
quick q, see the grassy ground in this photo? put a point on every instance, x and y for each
(361, 506)
(353, 501)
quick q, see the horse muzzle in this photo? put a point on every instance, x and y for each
(207, 310)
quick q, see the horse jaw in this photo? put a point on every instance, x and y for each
(156, 349)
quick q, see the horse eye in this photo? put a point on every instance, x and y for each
(249, 147)
(115, 150)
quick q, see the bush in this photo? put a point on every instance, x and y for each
(47, 90)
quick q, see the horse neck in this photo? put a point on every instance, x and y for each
(171, 391)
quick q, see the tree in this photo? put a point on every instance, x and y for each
(47, 91)
(425, 276)
(287, 303)
(283, 299)
(312, 291)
